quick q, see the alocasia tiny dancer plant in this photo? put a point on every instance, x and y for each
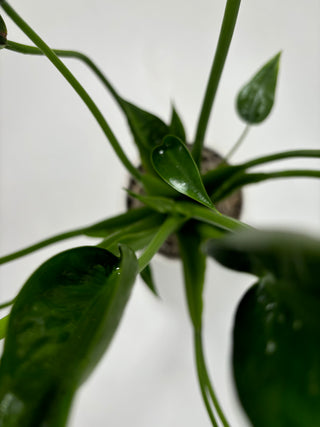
(63, 319)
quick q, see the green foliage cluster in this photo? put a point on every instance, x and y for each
(64, 317)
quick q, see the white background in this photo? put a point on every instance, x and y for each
(58, 172)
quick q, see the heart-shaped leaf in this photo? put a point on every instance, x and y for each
(276, 354)
(174, 163)
(276, 361)
(255, 100)
(60, 325)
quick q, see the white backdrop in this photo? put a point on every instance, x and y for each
(58, 172)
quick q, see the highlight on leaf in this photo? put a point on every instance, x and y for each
(255, 100)
(276, 356)
(175, 165)
(60, 325)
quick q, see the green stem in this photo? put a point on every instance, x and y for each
(62, 53)
(97, 230)
(199, 351)
(7, 304)
(237, 144)
(40, 245)
(202, 382)
(75, 84)
(280, 156)
(242, 179)
(170, 225)
(218, 177)
(206, 215)
(226, 33)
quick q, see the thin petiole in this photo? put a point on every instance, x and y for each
(202, 385)
(75, 84)
(40, 245)
(7, 304)
(283, 155)
(169, 226)
(225, 37)
(199, 351)
(96, 230)
(237, 144)
(62, 53)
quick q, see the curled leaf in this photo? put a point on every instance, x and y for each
(255, 100)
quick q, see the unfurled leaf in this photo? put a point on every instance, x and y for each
(174, 163)
(60, 325)
(147, 277)
(276, 361)
(276, 355)
(255, 100)
(176, 127)
(147, 130)
(3, 33)
(194, 266)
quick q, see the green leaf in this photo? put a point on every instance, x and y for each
(147, 130)
(176, 127)
(61, 324)
(255, 99)
(3, 326)
(3, 33)
(276, 362)
(194, 266)
(276, 353)
(147, 277)
(174, 163)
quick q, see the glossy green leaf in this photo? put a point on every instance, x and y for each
(176, 127)
(276, 361)
(147, 277)
(194, 266)
(60, 325)
(174, 163)
(276, 353)
(3, 33)
(147, 130)
(255, 100)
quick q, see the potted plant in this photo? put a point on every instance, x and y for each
(39, 386)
